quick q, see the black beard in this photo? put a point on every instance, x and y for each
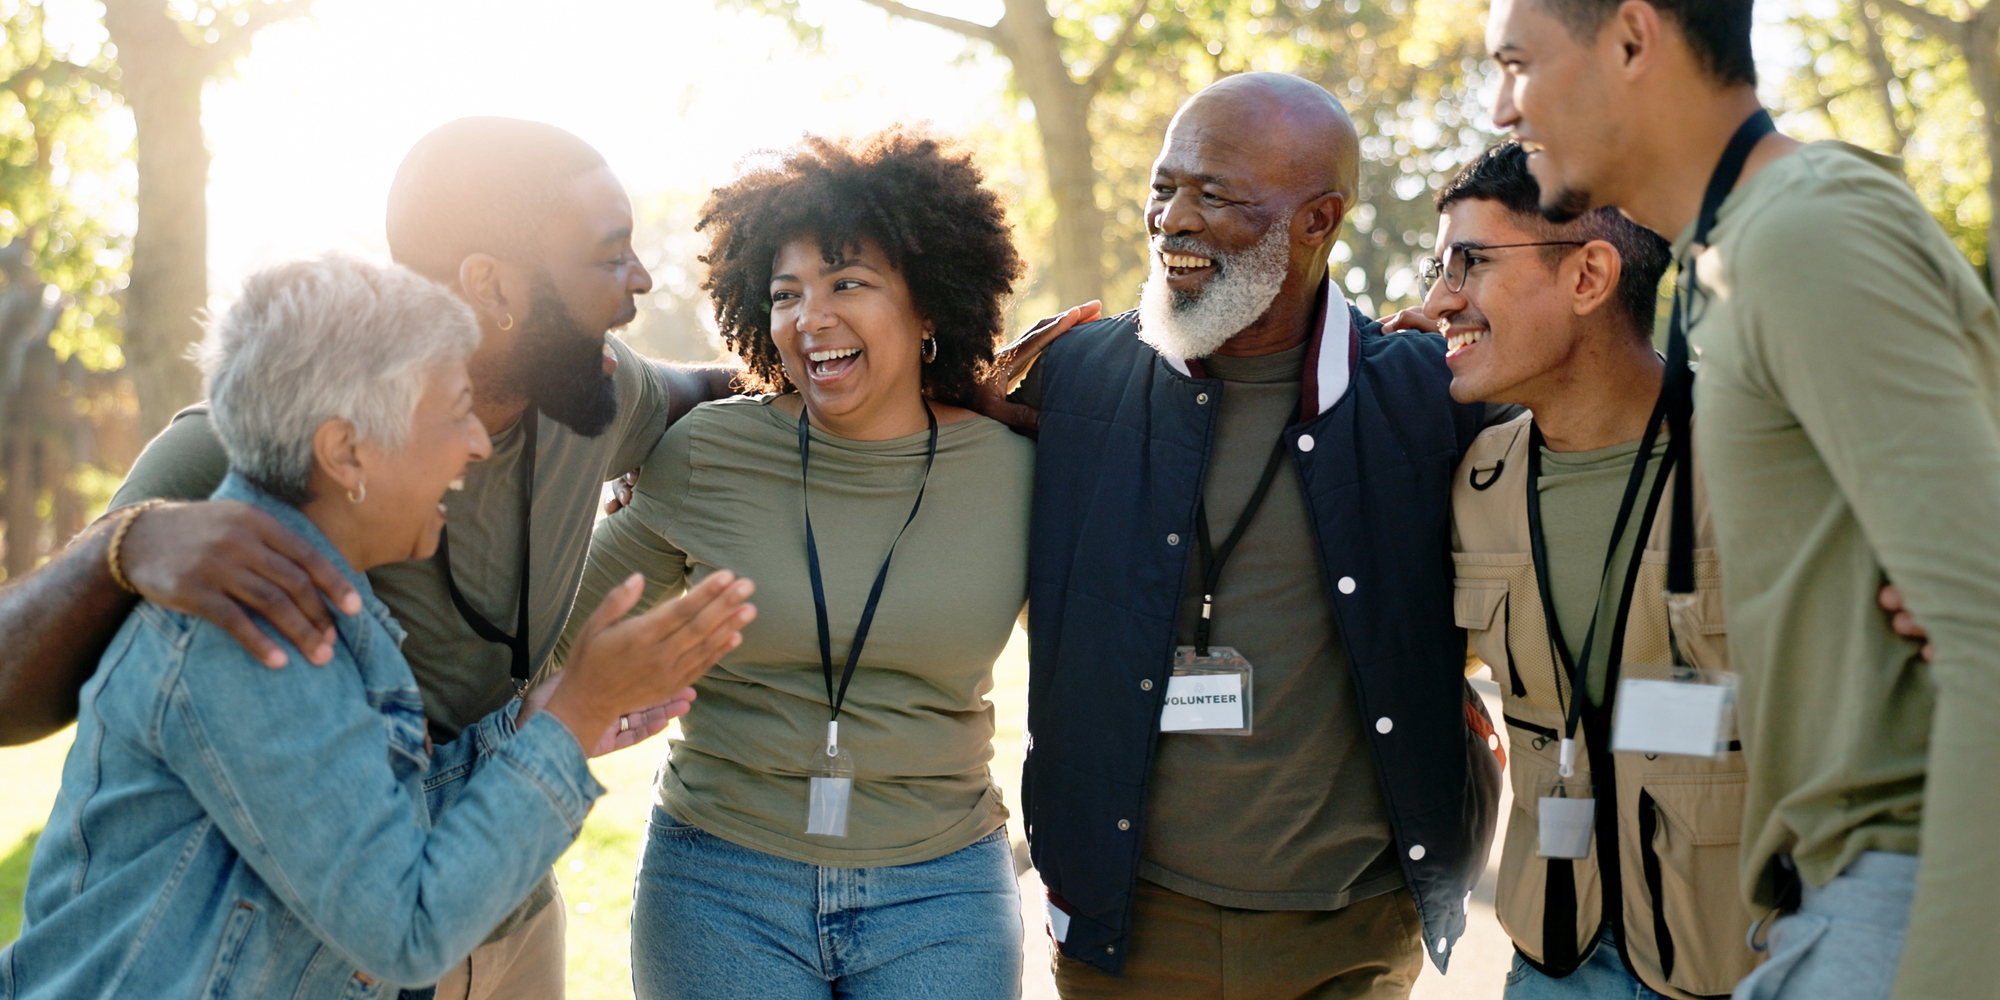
(1567, 205)
(560, 367)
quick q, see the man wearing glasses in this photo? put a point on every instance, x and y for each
(1618, 879)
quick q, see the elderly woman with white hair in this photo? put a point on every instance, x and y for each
(226, 830)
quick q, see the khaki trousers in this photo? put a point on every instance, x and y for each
(1185, 949)
(524, 965)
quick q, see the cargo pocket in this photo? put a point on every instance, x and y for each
(1689, 829)
(1480, 607)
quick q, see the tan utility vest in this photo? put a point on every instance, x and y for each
(1678, 820)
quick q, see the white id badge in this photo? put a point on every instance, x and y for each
(1567, 811)
(1677, 710)
(831, 780)
(1208, 694)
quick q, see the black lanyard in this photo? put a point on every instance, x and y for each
(1213, 558)
(1559, 650)
(1680, 375)
(881, 576)
(518, 642)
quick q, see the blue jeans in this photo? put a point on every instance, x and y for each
(712, 919)
(1602, 976)
(1846, 939)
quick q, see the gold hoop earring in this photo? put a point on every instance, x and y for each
(359, 494)
(930, 349)
(509, 325)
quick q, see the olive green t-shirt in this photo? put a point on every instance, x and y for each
(1580, 492)
(1849, 428)
(722, 491)
(462, 676)
(1292, 816)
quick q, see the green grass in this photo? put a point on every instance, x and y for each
(13, 880)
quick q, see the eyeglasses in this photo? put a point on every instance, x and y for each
(1451, 270)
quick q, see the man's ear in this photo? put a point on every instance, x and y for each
(1636, 32)
(483, 281)
(337, 455)
(1318, 221)
(1598, 268)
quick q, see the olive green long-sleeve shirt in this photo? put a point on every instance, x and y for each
(1849, 402)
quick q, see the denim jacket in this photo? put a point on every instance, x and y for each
(226, 830)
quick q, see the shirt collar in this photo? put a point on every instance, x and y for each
(1330, 359)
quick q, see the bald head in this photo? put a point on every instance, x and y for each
(1248, 194)
(1291, 126)
(480, 185)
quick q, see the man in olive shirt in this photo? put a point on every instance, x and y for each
(530, 227)
(1847, 398)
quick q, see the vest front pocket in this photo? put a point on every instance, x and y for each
(1688, 832)
(1480, 607)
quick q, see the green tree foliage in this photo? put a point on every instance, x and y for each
(66, 414)
(1915, 80)
(64, 181)
(1408, 71)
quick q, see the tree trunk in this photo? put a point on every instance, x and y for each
(161, 76)
(1062, 117)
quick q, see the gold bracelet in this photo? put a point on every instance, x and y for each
(125, 519)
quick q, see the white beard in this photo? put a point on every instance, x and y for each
(1241, 292)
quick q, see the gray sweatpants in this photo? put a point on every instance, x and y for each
(1845, 940)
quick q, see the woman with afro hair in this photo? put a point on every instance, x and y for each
(827, 825)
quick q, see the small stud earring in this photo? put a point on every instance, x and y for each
(930, 349)
(358, 494)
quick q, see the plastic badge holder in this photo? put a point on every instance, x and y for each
(1208, 695)
(1674, 710)
(1567, 810)
(831, 771)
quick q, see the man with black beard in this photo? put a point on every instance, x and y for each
(1255, 767)
(527, 224)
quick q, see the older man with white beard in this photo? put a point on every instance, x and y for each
(1254, 766)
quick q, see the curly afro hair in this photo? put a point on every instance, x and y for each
(917, 198)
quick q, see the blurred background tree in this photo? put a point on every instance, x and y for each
(1906, 78)
(166, 51)
(66, 418)
(1099, 79)
(1900, 77)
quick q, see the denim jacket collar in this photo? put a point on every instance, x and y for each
(236, 487)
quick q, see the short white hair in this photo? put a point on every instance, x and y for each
(332, 338)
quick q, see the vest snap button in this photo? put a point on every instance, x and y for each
(1202, 398)
(1173, 539)
(1346, 585)
(1384, 724)
(1441, 946)
(1417, 852)
(1124, 824)
(1146, 685)
(1305, 442)
(1493, 741)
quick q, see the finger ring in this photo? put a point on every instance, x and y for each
(624, 723)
